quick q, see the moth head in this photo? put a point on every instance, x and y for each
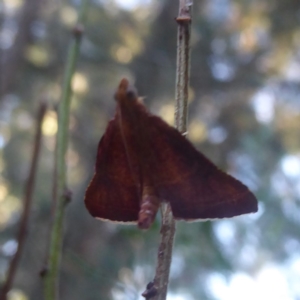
(125, 91)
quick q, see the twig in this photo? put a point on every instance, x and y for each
(62, 195)
(29, 187)
(183, 64)
(164, 256)
(158, 289)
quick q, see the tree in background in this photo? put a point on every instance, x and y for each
(244, 115)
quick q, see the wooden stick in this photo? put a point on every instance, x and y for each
(29, 188)
(157, 290)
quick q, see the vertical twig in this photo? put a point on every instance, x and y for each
(158, 289)
(164, 256)
(61, 194)
(29, 187)
(183, 63)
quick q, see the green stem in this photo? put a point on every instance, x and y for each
(52, 274)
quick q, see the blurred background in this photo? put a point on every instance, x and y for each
(244, 114)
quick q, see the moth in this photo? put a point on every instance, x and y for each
(142, 161)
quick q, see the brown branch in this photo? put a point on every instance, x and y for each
(157, 290)
(29, 187)
(164, 256)
(183, 64)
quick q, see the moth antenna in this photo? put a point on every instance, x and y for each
(141, 99)
(185, 133)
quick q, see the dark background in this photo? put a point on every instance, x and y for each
(244, 114)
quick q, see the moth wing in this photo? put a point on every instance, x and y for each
(194, 186)
(112, 194)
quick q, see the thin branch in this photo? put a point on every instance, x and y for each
(29, 187)
(158, 289)
(165, 249)
(183, 64)
(62, 196)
